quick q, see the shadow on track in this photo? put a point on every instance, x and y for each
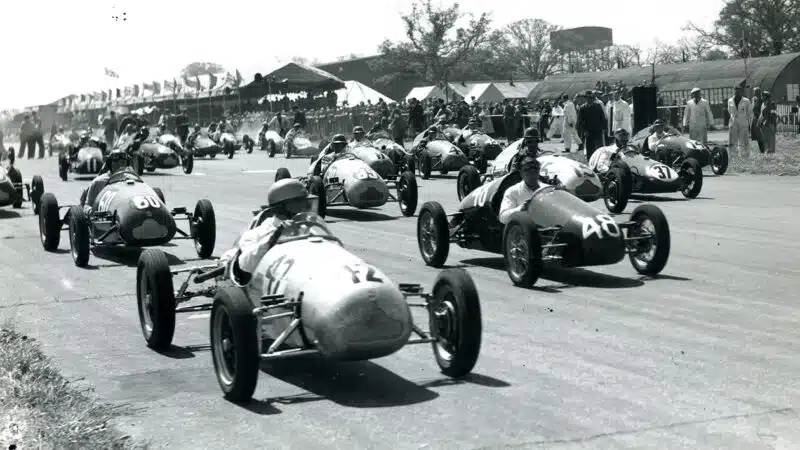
(473, 378)
(126, 256)
(567, 277)
(359, 384)
(9, 213)
(643, 198)
(358, 215)
(185, 352)
(159, 174)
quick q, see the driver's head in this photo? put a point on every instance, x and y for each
(296, 126)
(221, 126)
(162, 128)
(84, 136)
(658, 126)
(197, 127)
(338, 143)
(621, 137)
(531, 139)
(431, 134)
(288, 197)
(144, 131)
(472, 123)
(60, 129)
(529, 169)
(358, 132)
(118, 160)
(130, 128)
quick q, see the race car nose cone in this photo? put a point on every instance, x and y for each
(367, 193)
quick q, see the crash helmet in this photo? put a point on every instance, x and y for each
(117, 160)
(530, 138)
(144, 131)
(296, 126)
(60, 129)
(221, 125)
(658, 125)
(85, 136)
(197, 127)
(621, 137)
(339, 142)
(358, 132)
(290, 197)
(431, 133)
(130, 128)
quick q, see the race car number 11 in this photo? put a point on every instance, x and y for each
(600, 226)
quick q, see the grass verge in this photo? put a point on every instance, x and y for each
(41, 409)
(785, 160)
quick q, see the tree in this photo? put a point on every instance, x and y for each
(694, 48)
(526, 45)
(715, 55)
(663, 53)
(201, 68)
(436, 44)
(752, 28)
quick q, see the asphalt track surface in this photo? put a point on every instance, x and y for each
(705, 356)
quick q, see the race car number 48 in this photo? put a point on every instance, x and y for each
(600, 225)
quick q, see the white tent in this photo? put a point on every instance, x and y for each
(484, 92)
(355, 93)
(422, 93)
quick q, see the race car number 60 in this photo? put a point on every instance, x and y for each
(599, 225)
(145, 201)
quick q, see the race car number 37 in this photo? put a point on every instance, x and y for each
(601, 225)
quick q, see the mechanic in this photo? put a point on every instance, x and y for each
(430, 135)
(190, 140)
(602, 158)
(329, 154)
(293, 132)
(528, 146)
(358, 134)
(656, 136)
(377, 126)
(697, 117)
(517, 197)
(741, 117)
(263, 131)
(212, 128)
(286, 198)
(116, 161)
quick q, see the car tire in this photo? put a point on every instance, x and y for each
(662, 239)
(229, 150)
(616, 189)
(469, 179)
(187, 163)
(407, 193)
(317, 187)
(37, 189)
(273, 148)
(49, 222)
(719, 160)
(232, 319)
(138, 164)
(456, 309)
(692, 174)
(249, 145)
(434, 240)
(204, 228)
(425, 165)
(79, 242)
(522, 230)
(282, 173)
(155, 297)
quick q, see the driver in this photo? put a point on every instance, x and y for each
(656, 136)
(528, 146)
(116, 161)
(517, 197)
(329, 154)
(162, 130)
(285, 198)
(430, 135)
(601, 159)
(358, 134)
(190, 140)
(293, 132)
(472, 127)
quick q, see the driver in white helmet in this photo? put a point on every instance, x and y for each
(286, 198)
(117, 161)
(601, 159)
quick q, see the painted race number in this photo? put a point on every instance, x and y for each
(276, 274)
(601, 225)
(362, 273)
(105, 200)
(481, 195)
(145, 201)
(661, 171)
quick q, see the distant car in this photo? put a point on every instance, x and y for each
(13, 189)
(59, 142)
(230, 143)
(272, 142)
(674, 149)
(300, 145)
(203, 145)
(379, 161)
(126, 212)
(438, 155)
(556, 226)
(349, 181)
(351, 311)
(152, 155)
(479, 147)
(87, 161)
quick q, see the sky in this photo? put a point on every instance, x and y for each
(72, 41)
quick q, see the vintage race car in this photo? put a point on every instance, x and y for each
(375, 158)
(300, 145)
(59, 142)
(13, 189)
(439, 154)
(152, 155)
(556, 226)
(382, 141)
(576, 177)
(674, 149)
(203, 145)
(351, 311)
(126, 212)
(271, 141)
(479, 147)
(87, 161)
(452, 132)
(230, 143)
(349, 181)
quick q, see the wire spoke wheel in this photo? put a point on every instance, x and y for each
(517, 252)
(224, 346)
(428, 231)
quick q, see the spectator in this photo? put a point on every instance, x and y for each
(37, 136)
(508, 121)
(755, 128)
(25, 136)
(741, 118)
(110, 127)
(768, 123)
(398, 125)
(591, 122)
(697, 117)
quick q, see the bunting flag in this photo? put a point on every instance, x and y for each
(135, 90)
(194, 85)
(230, 79)
(119, 93)
(212, 81)
(103, 96)
(110, 73)
(156, 88)
(238, 78)
(169, 86)
(128, 91)
(147, 87)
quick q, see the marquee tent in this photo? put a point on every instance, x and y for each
(356, 92)
(425, 92)
(484, 92)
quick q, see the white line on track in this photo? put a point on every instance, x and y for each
(260, 171)
(200, 316)
(199, 174)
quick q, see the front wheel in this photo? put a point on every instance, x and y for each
(79, 242)
(37, 189)
(692, 175)
(187, 163)
(407, 193)
(49, 222)
(234, 344)
(433, 234)
(317, 187)
(617, 189)
(155, 298)
(522, 250)
(650, 237)
(456, 322)
(204, 228)
(469, 179)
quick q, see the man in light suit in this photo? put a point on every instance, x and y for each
(570, 134)
(741, 117)
(697, 117)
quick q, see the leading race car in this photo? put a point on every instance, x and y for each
(349, 181)
(126, 212)
(675, 149)
(59, 142)
(379, 161)
(230, 143)
(309, 295)
(383, 142)
(438, 155)
(86, 160)
(13, 189)
(556, 226)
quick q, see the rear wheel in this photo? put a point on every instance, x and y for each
(719, 160)
(469, 179)
(273, 148)
(204, 228)
(79, 243)
(234, 344)
(692, 175)
(616, 189)
(37, 189)
(155, 297)
(522, 250)
(407, 193)
(229, 150)
(455, 319)
(49, 222)
(187, 163)
(649, 256)
(433, 234)
(425, 165)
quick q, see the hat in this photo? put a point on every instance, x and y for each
(694, 90)
(765, 93)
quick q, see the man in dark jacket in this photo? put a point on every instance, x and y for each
(416, 117)
(508, 121)
(299, 116)
(592, 123)
(37, 137)
(25, 133)
(110, 127)
(182, 126)
(755, 130)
